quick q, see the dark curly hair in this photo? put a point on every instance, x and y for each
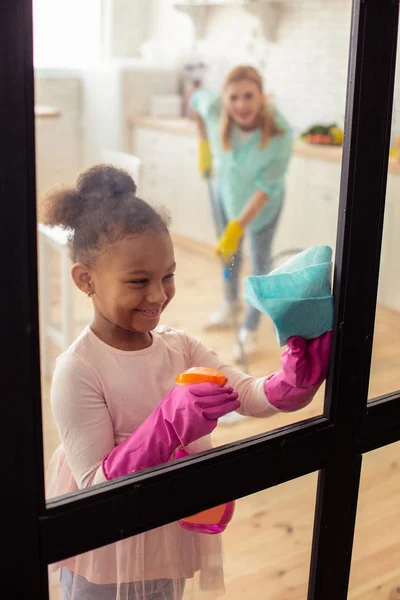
(99, 210)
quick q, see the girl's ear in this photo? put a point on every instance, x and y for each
(81, 274)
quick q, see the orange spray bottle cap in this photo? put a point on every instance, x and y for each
(201, 375)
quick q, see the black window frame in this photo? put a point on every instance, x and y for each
(35, 534)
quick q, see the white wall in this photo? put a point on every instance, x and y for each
(171, 34)
(124, 27)
(305, 67)
(58, 140)
(95, 106)
(114, 92)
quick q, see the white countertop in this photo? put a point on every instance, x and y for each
(187, 127)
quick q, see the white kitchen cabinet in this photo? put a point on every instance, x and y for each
(309, 216)
(170, 178)
(394, 272)
(389, 276)
(385, 266)
(322, 198)
(291, 233)
(58, 139)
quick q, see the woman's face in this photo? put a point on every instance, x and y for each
(243, 100)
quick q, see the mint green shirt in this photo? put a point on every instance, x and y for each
(246, 168)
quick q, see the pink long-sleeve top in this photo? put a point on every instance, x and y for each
(99, 396)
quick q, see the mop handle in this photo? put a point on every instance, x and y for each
(225, 267)
(227, 273)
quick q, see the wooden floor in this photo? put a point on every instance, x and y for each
(268, 545)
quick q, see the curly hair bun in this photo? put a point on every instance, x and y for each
(103, 181)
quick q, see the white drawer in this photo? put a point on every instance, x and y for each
(189, 146)
(147, 138)
(146, 144)
(322, 173)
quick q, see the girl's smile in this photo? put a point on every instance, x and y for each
(149, 313)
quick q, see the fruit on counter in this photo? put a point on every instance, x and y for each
(324, 134)
(337, 135)
(319, 138)
(394, 152)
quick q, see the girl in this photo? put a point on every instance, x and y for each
(113, 395)
(250, 146)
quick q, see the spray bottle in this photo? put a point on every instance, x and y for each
(213, 520)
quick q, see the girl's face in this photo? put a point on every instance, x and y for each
(133, 283)
(243, 101)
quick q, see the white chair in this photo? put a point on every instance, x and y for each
(52, 239)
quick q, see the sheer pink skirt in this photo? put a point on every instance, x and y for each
(142, 566)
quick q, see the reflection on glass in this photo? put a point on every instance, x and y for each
(144, 115)
(265, 553)
(375, 571)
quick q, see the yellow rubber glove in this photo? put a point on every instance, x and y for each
(204, 158)
(229, 241)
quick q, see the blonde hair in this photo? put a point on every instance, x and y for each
(266, 121)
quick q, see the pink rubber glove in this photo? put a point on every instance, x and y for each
(304, 367)
(186, 414)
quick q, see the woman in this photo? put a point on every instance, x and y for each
(248, 145)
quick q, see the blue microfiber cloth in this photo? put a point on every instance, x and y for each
(297, 295)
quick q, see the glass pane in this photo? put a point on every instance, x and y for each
(385, 370)
(375, 569)
(266, 551)
(128, 105)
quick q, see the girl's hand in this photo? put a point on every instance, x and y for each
(187, 413)
(229, 241)
(304, 367)
(193, 410)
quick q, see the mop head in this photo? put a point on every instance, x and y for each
(297, 295)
